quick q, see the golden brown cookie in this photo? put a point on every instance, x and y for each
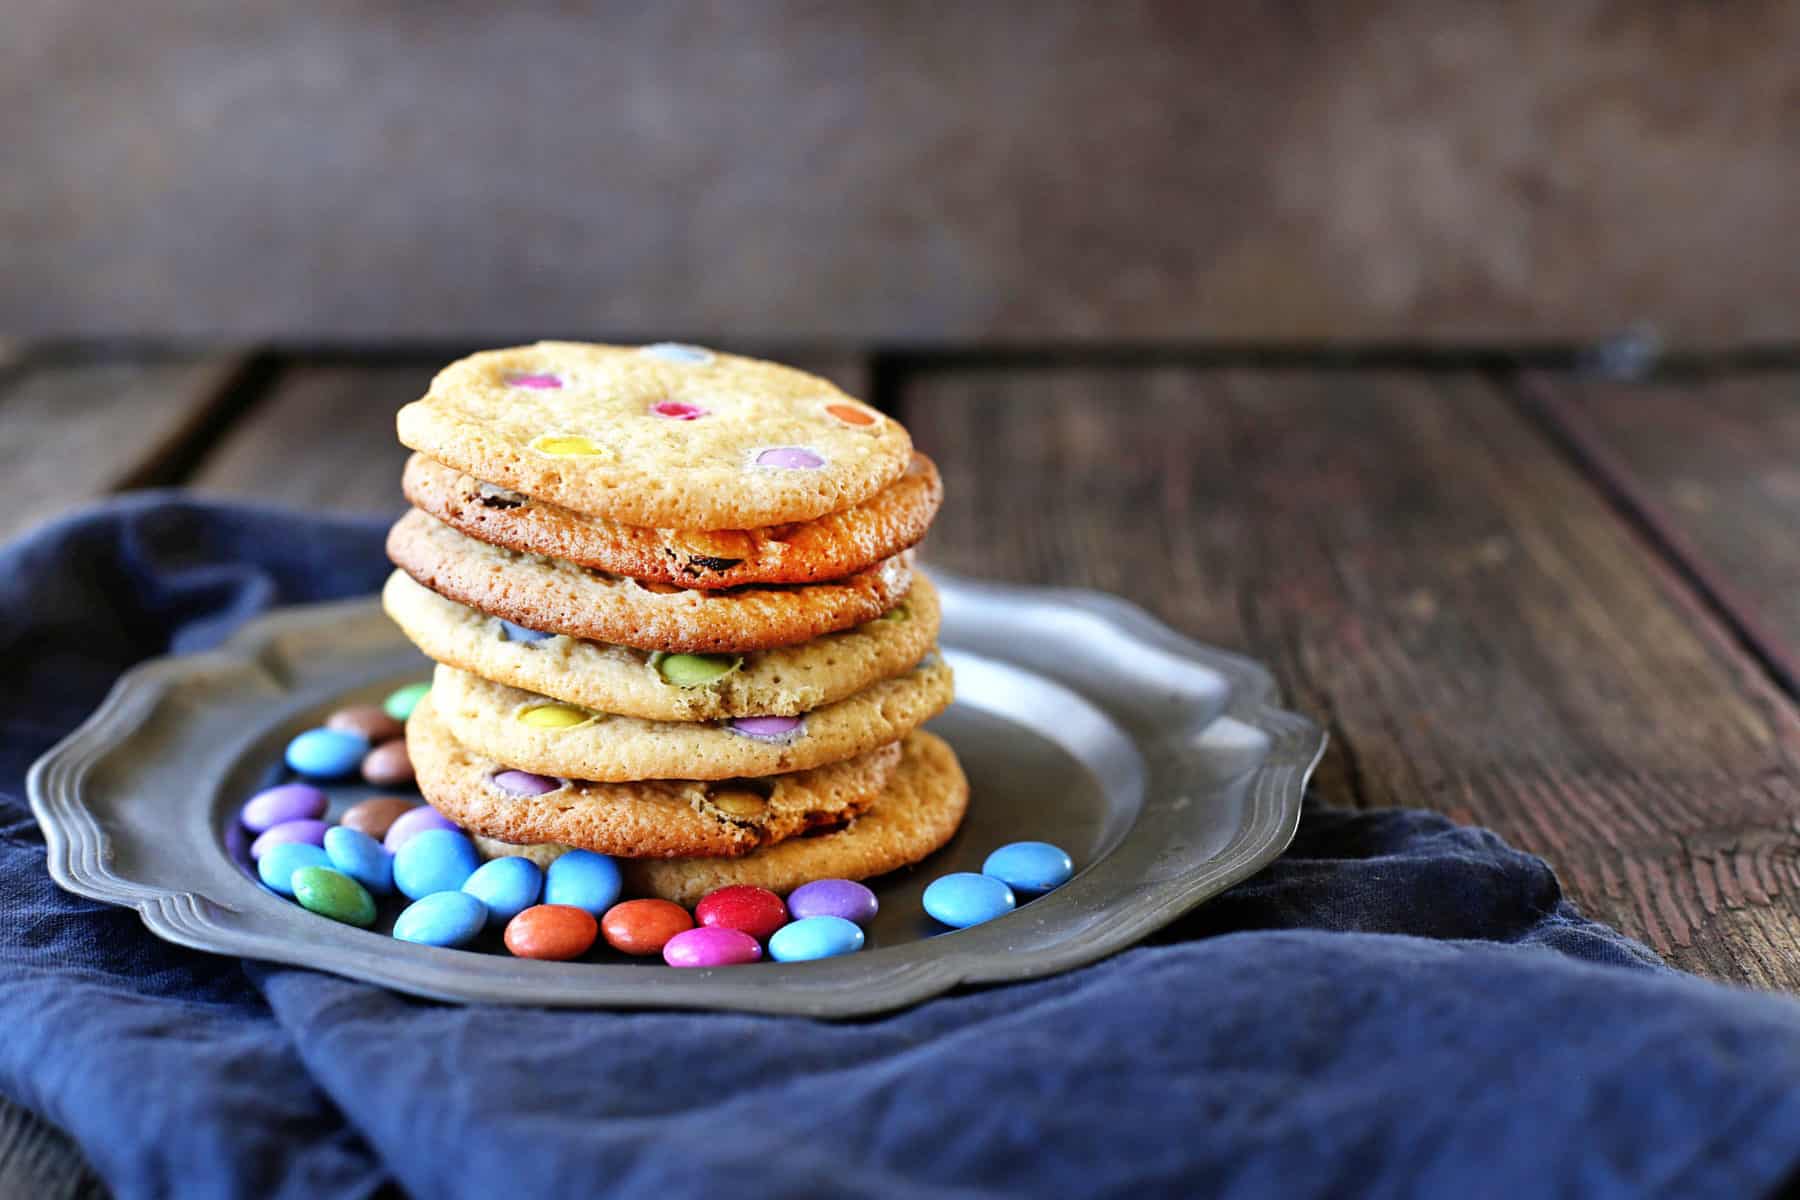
(636, 820)
(829, 547)
(785, 681)
(547, 736)
(671, 437)
(916, 815)
(549, 595)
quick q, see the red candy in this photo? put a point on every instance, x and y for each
(752, 910)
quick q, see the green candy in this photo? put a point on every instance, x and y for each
(694, 670)
(333, 894)
(898, 613)
(400, 704)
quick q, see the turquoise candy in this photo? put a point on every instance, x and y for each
(327, 753)
(583, 879)
(508, 886)
(966, 899)
(278, 864)
(441, 919)
(815, 937)
(1030, 866)
(437, 860)
(361, 857)
(334, 894)
(400, 703)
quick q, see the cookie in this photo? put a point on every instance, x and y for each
(916, 815)
(830, 547)
(636, 820)
(671, 437)
(547, 736)
(548, 595)
(785, 681)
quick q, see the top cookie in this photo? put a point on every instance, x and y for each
(672, 437)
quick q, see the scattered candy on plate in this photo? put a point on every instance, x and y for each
(833, 898)
(508, 886)
(306, 829)
(552, 931)
(376, 815)
(1030, 866)
(388, 764)
(326, 753)
(277, 867)
(362, 858)
(368, 720)
(288, 802)
(644, 927)
(965, 898)
(441, 919)
(410, 824)
(400, 704)
(585, 880)
(712, 946)
(812, 938)
(333, 894)
(752, 910)
(436, 860)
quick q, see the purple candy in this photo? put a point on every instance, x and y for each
(307, 830)
(413, 822)
(524, 783)
(768, 729)
(711, 946)
(678, 410)
(535, 382)
(797, 457)
(289, 802)
(833, 898)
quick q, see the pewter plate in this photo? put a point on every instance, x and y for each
(1164, 767)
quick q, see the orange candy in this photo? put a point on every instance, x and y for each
(552, 931)
(850, 414)
(643, 926)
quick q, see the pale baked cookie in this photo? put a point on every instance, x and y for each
(559, 597)
(917, 814)
(636, 820)
(672, 437)
(785, 681)
(550, 737)
(830, 547)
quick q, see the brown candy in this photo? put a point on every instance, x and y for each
(368, 720)
(376, 814)
(644, 926)
(388, 764)
(552, 931)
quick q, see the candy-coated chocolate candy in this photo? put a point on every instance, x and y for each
(401, 702)
(326, 753)
(277, 867)
(815, 937)
(753, 910)
(361, 857)
(368, 720)
(694, 670)
(678, 410)
(552, 931)
(1030, 866)
(333, 894)
(768, 729)
(519, 633)
(441, 919)
(794, 458)
(307, 829)
(644, 926)
(711, 946)
(434, 860)
(289, 802)
(412, 822)
(851, 414)
(524, 783)
(555, 716)
(541, 381)
(561, 446)
(966, 899)
(833, 898)
(388, 765)
(677, 352)
(584, 880)
(508, 886)
(376, 815)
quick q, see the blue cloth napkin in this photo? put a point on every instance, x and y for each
(1398, 1007)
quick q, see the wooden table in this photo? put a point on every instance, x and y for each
(1560, 605)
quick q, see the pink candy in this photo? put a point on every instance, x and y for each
(676, 410)
(535, 382)
(711, 946)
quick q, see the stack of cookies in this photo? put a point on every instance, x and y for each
(672, 599)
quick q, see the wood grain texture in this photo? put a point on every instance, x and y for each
(1022, 169)
(1426, 573)
(1712, 467)
(73, 432)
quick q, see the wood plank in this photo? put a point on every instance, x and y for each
(1020, 169)
(323, 437)
(1429, 575)
(77, 431)
(1712, 467)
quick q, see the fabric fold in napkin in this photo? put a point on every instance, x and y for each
(1399, 1006)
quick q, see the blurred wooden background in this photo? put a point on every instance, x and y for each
(1027, 171)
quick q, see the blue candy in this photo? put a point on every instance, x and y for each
(815, 937)
(676, 352)
(1030, 866)
(583, 879)
(508, 886)
(441, 919)
(966, 899)
(362, 858)
(519, 633)
(437, 860)
(327, 753)
(280, 861)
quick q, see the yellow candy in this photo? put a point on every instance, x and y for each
(555, 716)
(572, 445)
